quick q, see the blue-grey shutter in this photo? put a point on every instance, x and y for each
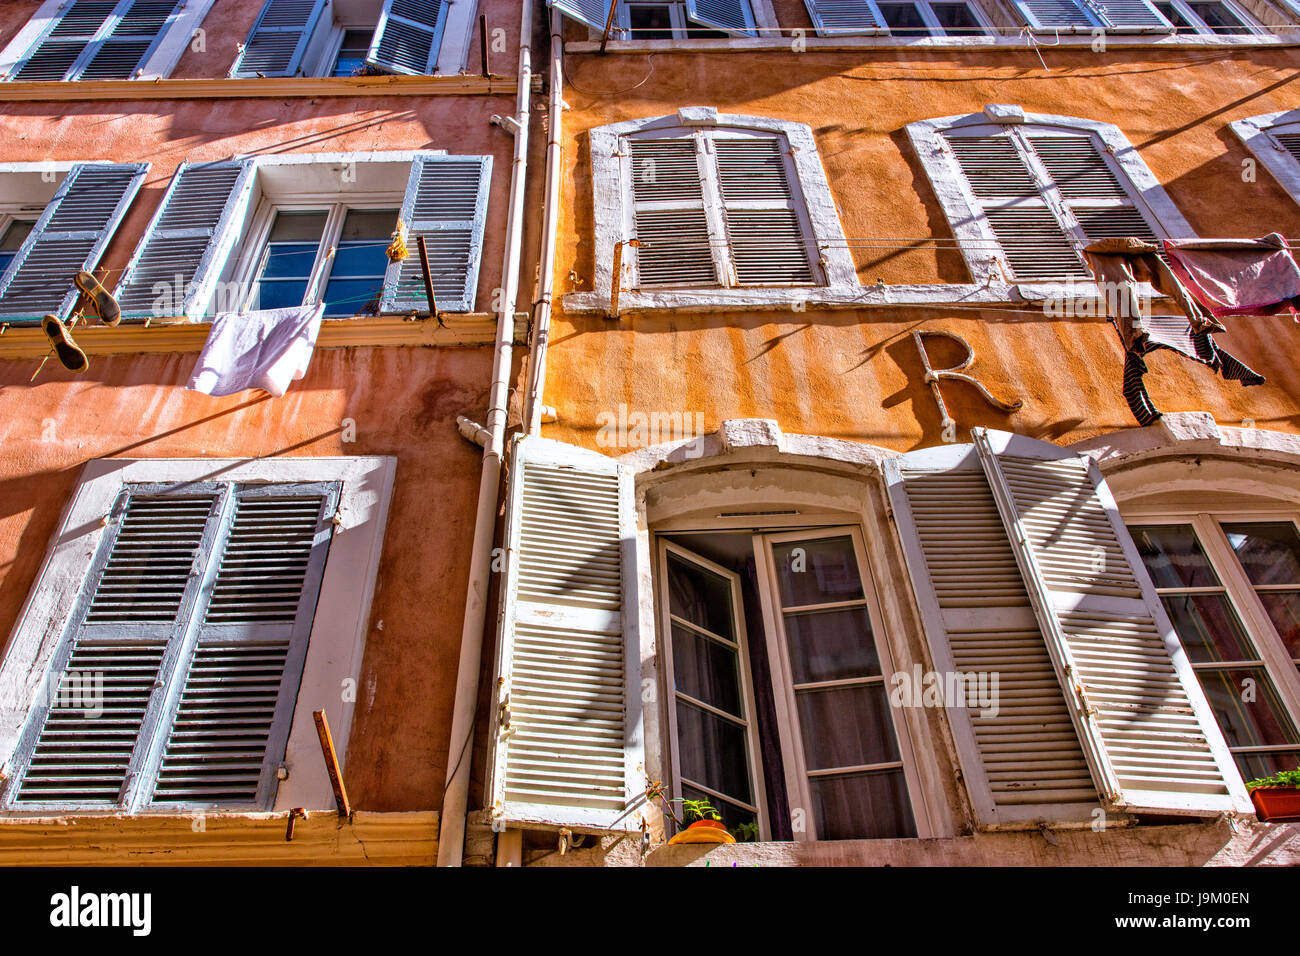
(123, 641)
(278, 40)
(594, 13)
(408, 36)
(732, 16)
(70, 236)
(229, 716)
(1067, 16)
(137, 29)
(446, 202)
(1140, 16)
(845, 17)
(53, 56)
(177, 263)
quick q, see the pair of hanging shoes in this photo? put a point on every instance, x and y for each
(100, 303)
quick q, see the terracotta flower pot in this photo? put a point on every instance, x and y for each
(704, 831)
(1277, 804)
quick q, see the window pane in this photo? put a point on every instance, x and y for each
(1284, 611)
(279, 295)
(351, 296)
(712, 751)
(1173, 556)
(1268, 551)
(956, 19)
(820, 571)
(352, 54)
(1218, 17)
(700, 596)
(862, 806)
(1247, 723)
(1254, 766)
(831, 645)
(846, 727)
(1180, 22)
(360, 260)
(650, 22)
(707, 671)
(732, 815)
(300, 226)
(287, 260)
(903, 18)
(1208, 628)
(15, 234)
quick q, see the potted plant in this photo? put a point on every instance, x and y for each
(703, 824)
(1277, 798)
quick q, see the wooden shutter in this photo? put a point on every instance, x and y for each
(53, 56)
(71, 235)
(1088, 188)
(278, 40)
(594, 13)
(1289, 142)
(229, 717)
(1004, 189)
(408, 36)
(730, 16)
(446, 202)
(176, 264)
(761, 212)
(845, 17)
(1140, 16)
(126, 628)
(669, 216)
(134, 34)
(566, 728)
(1024, 763)
(1150, 737)
(1067, 16)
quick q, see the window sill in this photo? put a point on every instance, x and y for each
(831, 297)
(462, 330)
(812, 43)
(260, 88)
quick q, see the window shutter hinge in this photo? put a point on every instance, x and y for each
(337, 519)
(503, 716)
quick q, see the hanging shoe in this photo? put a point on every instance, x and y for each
(101, 302)
(69, 353)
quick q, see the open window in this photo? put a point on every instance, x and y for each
(189, 618)
(1024, 194)
(901, 18)
(664, 19)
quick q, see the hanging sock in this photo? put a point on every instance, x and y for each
(1135, 391)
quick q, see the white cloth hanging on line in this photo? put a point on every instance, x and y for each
(266, 350)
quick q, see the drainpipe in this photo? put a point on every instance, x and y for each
(451, 831)
(533, 408)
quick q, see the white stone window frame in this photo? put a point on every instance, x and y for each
(1259, 134)
(979, 246)
(160, 63)
(337, 642)
(612, 210)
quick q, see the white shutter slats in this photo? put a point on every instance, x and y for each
(408, 36)
(446, 201)
(71, 235)
(1089, 188)
(844, 17)
(762, 223)
(1067, 16)
(54, 56)
(1023, 763)
(730, 16)
(669, 215)
(1133, 15)
(173, 268)
(594, 13)
(276, 44)
(1143, 720)
(567, 746)
(135, 33)
(231, 719)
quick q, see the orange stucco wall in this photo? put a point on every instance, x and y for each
(855, 373)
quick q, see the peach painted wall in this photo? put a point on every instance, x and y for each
(855, 373)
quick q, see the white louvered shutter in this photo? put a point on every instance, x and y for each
(177, 262)
(594, 13)
(278, 40)
(446, 201)
(731, 16)
(1088, 188)
(408, 36)
(1066, 16)
(566, 729)
(124, 638)
(761, 212)
(98, 40)
(845, 17)
(228, 719)
(139, 27)
(669, 215)
(1150, 737)
(1140, 16)
(70, 236)
(1023, 763)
